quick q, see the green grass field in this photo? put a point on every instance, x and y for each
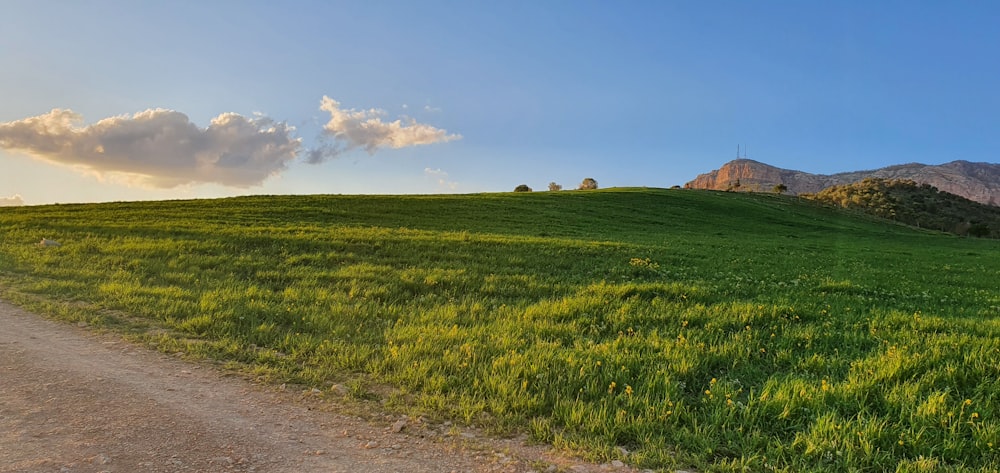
(720, 331)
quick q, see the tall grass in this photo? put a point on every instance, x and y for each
(729, 332)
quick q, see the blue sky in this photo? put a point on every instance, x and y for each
(489, 94)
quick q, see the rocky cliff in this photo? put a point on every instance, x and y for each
(975, 181)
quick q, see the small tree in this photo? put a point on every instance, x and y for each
(522, 188)
(554, 187)
(780, 189)
(588, 184)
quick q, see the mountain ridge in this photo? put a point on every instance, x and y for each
(979, 182)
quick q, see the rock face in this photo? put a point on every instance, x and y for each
(975, 181)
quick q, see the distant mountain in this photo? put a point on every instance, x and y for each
(979, 182)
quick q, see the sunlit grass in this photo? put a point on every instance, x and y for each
(730, 332)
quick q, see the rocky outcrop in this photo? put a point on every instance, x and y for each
(975, 181)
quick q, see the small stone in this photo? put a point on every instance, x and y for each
(339, 389)
(102, 459)
(398, 425)
(47, 242)
(371, 444)
(617, 464)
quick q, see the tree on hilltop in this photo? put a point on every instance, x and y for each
(588, 184)
(522, 188)
(554, 187)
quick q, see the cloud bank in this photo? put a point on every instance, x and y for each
(163, 148)
(351, 129)
(159, 148)
(12, 201)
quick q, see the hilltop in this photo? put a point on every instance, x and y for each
(979, 182)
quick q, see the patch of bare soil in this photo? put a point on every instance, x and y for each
(75, 401)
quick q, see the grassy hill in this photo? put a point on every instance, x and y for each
(724, 331)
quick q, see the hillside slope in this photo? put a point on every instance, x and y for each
(979, 182)
(668, 329)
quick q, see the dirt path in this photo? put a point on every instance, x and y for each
(75, 401)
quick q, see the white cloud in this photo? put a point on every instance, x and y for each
(158, 148)
(352, 129)
(12, 201)
(442, 179)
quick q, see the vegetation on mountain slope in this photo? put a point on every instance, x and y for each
(920, 205)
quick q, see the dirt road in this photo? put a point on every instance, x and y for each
(75, 401)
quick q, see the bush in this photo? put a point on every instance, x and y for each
(979, 230)
(588, 184)
(522, 188)
(554, 187)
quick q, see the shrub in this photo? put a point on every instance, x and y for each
(554, 187)
(588, 184)
(522, 188)
(979, 230)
